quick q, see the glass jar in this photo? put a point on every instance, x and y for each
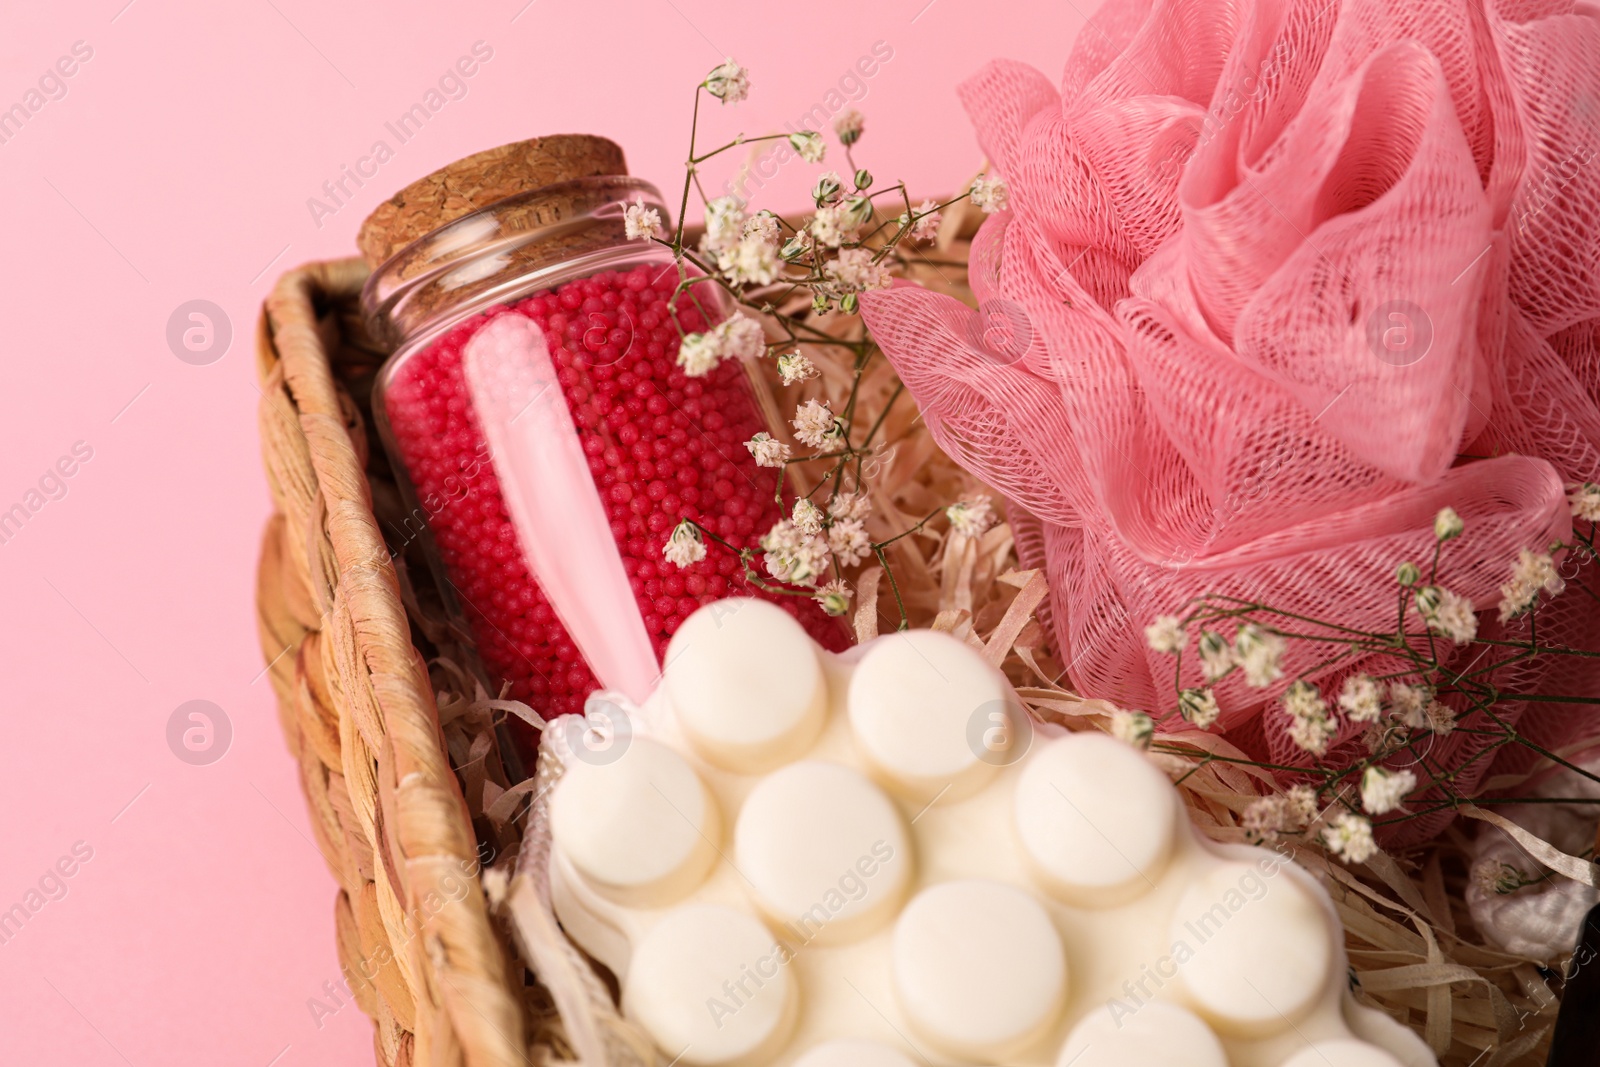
(660, 446)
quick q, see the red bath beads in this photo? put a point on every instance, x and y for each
(661, 446)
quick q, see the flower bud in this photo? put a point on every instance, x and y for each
(857, 210)
(863, 179)
(1407, 574)
(1447, 524)
(826, 189)
(833, 602)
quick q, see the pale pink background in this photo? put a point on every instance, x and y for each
(178, 167)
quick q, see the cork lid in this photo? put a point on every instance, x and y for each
(479, 180)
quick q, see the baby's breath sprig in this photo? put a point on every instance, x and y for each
(790, 273)
(1414, 695)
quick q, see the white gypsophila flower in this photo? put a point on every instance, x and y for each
(1310, 726)
(1302, 700)
(1301, 805)
(848, 540)
(684, 546)
(1166, 635)
(762, 226)
(1199, 708)
(848, 125)
(791, 556)
(1407, 704)
(807, 517)
(971, 517)
(1312, 735)
(753, 261)
(725, 219)
(1584, 500)
(1360, 699)
(834, 597)
(1383, 790)
(1447, 524)
(1349, 837)
(795, 367)
(1534, 571)
(815, 424)
(808, 145)
(990, 194)
(856, 270)
(1133, 728)
(1494, 878)
(1439, 717)
(741, 337)
(728, 82)
(849, 506)
(700, 353)
(1265, 819)
(1450, 614)
(831, 225)
(1260, 654)
(641, 223)
(828, 187)
(928, 218)
(767, 450)
(1216, 658)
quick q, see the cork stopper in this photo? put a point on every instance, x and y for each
(479, 180)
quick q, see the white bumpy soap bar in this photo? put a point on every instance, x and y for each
(915, 700)
(852, 1053)
(1262, 957)
(1156, 1035)
(1095, 818)
(710, 980)
(978, 968)
(744, 680)
(825, 851)
(642, 828)
(797, 859)
(1342, 1054)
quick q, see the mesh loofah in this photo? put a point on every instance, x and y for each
(1278, 281)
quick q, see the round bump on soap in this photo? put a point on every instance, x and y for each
(1118, 1035)
(1262, 949)
(1342, 1053)
(978, 968)
(711, 985)
(640, 830)
(1096, 819)
(745, 682)
(825, 851)
(913, 698)
(850, 1052)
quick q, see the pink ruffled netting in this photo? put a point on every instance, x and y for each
(1277, 282)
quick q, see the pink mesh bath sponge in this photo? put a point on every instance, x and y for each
(1282, 280)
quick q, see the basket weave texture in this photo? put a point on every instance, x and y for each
(415, 938)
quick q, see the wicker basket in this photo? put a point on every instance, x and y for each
(416, 941)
